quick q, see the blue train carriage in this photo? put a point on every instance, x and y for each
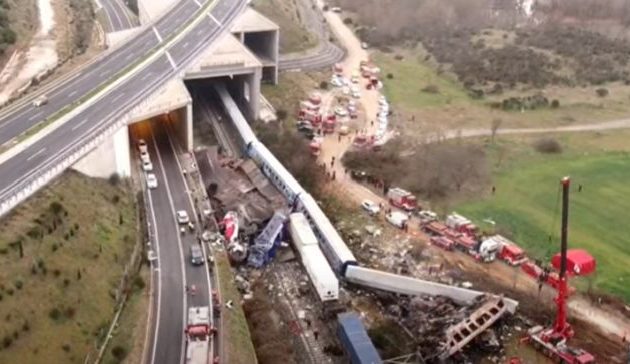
(355, 340)
(334, 248)
(275, 171)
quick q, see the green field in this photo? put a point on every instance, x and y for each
(527, 206)
(57, 289)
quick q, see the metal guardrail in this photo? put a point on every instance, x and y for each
(68, 156)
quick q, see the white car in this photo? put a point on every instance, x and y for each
(182, 217)
(151, 181)
(397, 218)
(352, 103)
(340, 111)
(335, 81)
(356, 94)
(144, 156)
(40, 101)
(151, 256)
(147, 166)
(345, 90)
(426, 215)
(336, 9)
(142, 146)
(364, 45)
(371, 207)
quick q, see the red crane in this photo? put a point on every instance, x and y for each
(553, 341)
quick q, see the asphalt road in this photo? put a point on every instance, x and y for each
(118, 15)
(172, 247)
(49, 150)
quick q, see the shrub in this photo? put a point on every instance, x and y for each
(390, 76)
(323, 85)
(69, 312)
(66, 282)
(431, 89)
(400, 57)
(65, 347)
(18, 284)
(54, 314)
(555, 104)
(138, 282)
(115, 199)
(282, 114)
(119, 352)
(347, 21)
(56, 207)
(7, 341)
(56, 272)
(114, 179)
(602, 92)
(26, 326)
(548, 146)
(54, 247)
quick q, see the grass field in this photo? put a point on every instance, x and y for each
(56, 301)
(526, 204)
(449, 106)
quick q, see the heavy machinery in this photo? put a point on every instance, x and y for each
(553, 340)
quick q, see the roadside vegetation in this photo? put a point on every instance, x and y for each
(77, 35)
(17, 24)
(62, 257)
(294, 37)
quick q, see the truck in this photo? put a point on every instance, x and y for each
(465, 243)
(198, 334)
(397, 218)
(314, 117)
(511, 253)
(315, 98)
(461, 224)
(442, 242)
(310, 106)
(402, 199)
(435, 227)
(329, 124)
(489, 248)
(355, 340)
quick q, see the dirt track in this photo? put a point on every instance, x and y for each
(608, 320)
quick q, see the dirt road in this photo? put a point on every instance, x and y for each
(605, 318)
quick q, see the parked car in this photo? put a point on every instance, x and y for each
(382, 100)
(196, 255)
(142, 146)
(344, 130)
(182, 217)
(144, 156)
(427, 216)
(147, 166)
(340, 111)
(151, 181)
(397, 218)
(371, 207)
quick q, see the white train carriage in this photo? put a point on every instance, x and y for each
(242, 126)
(334, 248)
(321, 275)
(275, 171)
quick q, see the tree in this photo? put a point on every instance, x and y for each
(494, 127)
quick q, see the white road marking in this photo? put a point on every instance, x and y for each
(214, 19)
(36, 153)
(170, 59)
(79, 124)
(145, 76)
(72, 93)
(197, 2)
(118, 96)
(33, 117)
(157, 34)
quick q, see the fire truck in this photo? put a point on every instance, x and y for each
(402, 199)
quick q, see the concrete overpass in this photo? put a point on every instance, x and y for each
(88, 108)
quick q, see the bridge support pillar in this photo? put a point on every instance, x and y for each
(182, 120)
(102, 163)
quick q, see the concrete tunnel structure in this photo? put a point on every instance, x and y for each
(242, 58)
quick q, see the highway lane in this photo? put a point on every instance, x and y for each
(167, 344)
(119, 16)
(44, 152)
(26, 115)
(170, 301)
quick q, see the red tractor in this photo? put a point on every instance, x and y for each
(553, 340)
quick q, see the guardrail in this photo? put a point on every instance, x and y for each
(97, 135)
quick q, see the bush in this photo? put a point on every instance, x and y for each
(119, 352)
(548, 146)
(431, 89)
(323, 85)
(56, 207)
(555, 104)
(390, 76)
(347, 21)
(54, 314)
(18, 284)
(69, 312)
(26, 326)
(115, 199)
(282, 114)
(114, 179)
(138, 282)
(7, 341)
(602, 92)
(65, 347)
